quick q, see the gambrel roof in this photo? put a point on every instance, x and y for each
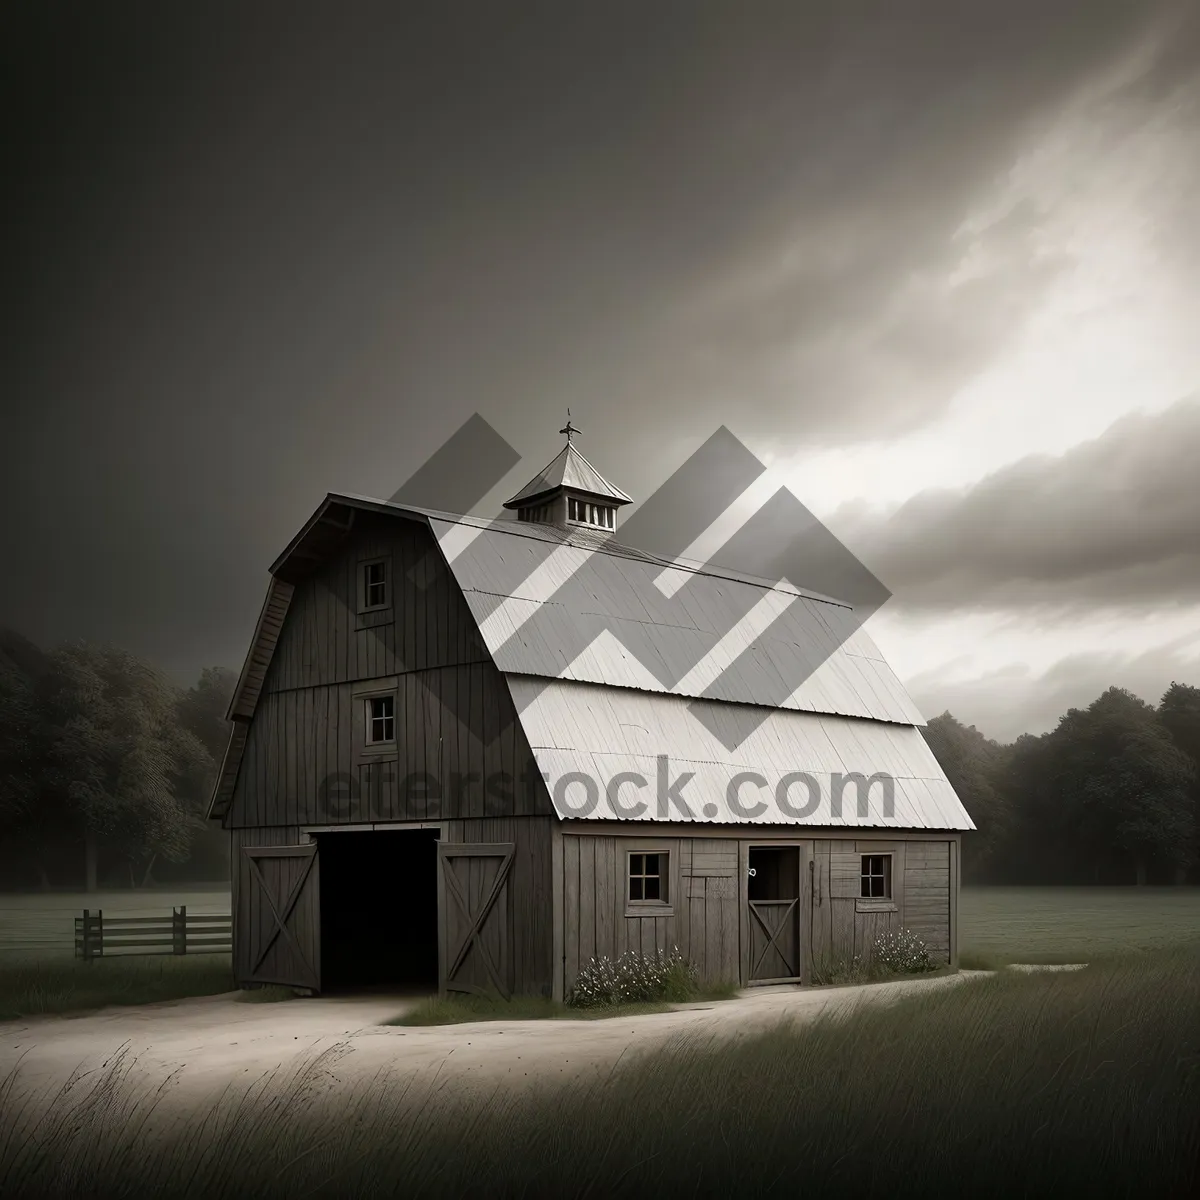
(595, 640)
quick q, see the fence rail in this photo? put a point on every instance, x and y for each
(177, 933)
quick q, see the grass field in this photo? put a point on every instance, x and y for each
(45, 921)
(1001, 924)
(997, 925)
(1078, 1083)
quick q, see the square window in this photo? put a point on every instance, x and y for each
(381, 720)
(876, 877)
(648, 878)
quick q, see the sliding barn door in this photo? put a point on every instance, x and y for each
(475, 917)
(279, 917)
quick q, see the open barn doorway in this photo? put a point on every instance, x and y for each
(379, 917)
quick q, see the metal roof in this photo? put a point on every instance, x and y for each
(563, 609)
(599, 638)
(569, 469)
(582, 731)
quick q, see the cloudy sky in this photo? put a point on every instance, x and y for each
(937, 263)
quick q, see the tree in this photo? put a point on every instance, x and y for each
(1123, 784)
(972, 762)
(1039, 846)
(201, 712)
(116, 757)
(203, 707)
(1179, 712)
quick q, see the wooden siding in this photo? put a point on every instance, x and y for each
(927, 895)
(707, 918)
(529, 891)
(430, 624)
(701, 918)
(251, 914)
(302, 761)
(844, 925)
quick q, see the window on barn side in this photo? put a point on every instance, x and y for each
(381, 720)
(373, 585)
(648, 877)
(876, 877)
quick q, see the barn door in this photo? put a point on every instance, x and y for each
(279, 915)
(774, 911)
(475, 917)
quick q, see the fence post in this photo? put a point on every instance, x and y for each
(99, 933)
(87, 935)
(179, 928)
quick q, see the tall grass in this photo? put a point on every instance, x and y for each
(32, 986)
(1010, 1085)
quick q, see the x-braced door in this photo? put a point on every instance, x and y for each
(773, 901)
(280, 914)
(475, 916)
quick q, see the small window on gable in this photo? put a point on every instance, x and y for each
(876, 877)
(373, 585)
(381, 720)
(648, 877)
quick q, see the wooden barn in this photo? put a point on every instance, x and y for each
(470, 754)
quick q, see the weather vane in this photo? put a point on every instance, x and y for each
(568, 428)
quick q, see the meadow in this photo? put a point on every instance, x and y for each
(998, 925)
(1071, 924)
(1057, 1083)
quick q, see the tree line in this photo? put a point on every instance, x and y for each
(1110, 795)
(106, 769)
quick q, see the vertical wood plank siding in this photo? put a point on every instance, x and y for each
(707, 918)
(251, 914)
(702, 919)
(530, 890)
(299, 764)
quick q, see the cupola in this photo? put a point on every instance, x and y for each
(569, 492)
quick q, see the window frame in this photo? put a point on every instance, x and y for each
(369, 719)
(887, 896)
(361, 696)
(664, 906)
(364, 588)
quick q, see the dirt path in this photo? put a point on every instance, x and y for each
(215, 1042)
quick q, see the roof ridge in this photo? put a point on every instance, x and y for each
(602, 545)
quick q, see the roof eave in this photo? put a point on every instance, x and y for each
(610, 498)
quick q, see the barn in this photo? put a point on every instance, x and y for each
(473, 755)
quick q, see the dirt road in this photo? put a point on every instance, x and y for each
(202, 1046)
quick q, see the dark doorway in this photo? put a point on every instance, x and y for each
(773, 895)
(379, 925)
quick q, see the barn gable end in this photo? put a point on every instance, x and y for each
(297, 755)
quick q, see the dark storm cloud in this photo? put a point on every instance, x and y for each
(1112, 522)
(1006, 703)
(262, 252)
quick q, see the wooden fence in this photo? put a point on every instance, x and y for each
(97, 935)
